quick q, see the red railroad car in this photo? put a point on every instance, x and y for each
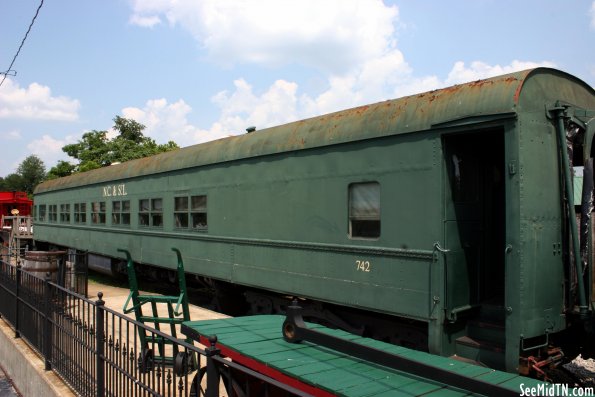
(10, 201)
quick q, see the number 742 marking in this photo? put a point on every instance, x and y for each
(363, 266)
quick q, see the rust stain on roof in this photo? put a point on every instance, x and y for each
(408, 114)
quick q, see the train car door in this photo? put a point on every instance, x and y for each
(474, 225)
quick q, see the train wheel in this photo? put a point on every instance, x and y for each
(184, 363)
(231, 386)
(146, 360)
(230, 299)
(198, 387)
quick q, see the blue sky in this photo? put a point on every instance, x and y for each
(193, 71)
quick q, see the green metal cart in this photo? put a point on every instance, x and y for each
(177, 313)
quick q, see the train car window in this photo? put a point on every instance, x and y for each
(121, 213)
(42, 212)
(64, 213)
(53, 213)
(150, 212)
(80, 213)
(190, 212)
(198, 212)
(157, 212)
(98, 213)
(143, 216)
(181, 212)
(364, 210)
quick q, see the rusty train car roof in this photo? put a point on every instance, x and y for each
(499, 95)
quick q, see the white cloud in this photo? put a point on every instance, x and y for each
(164, 121)
(239, 110)
(383, 78)
(12, 135)
(332, 35)
(592, 13)
(243, 108)
(49, 149)
(479, 70)
(145, 22)
(35, 102)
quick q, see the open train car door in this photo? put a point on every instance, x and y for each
(474, 220)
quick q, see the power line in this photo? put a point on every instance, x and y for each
(9, 71)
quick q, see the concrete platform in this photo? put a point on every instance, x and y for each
(6, 387)
(26, 369)
(115, 297)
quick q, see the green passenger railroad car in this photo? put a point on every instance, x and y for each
(442, 221)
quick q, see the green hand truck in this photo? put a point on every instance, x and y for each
(182, 362)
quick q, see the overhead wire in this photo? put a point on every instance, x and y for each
(8, 71)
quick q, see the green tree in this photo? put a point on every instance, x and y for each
(95, 150)
(13, 182)
(63, 168)
(91, 151)
(129, 129)
(32, 172)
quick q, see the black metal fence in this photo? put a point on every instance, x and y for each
(97, 351)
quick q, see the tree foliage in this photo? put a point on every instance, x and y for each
(63, 168)
(32, 172)
(96, 150)
(29, 173)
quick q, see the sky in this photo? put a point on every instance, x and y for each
(193, 71)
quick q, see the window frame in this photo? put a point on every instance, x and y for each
(368, 227)
(53, 213)
(80, 211)
(194, 210)
(148, 214)
(98, 213)
(42, 212)
(65, 213)
(121, 214)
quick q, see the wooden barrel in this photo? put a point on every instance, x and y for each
(41, 262)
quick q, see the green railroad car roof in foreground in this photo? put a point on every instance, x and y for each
(475, 101)
(259, 338)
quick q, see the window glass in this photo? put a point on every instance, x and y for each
(42, 212)
(98, 213)
(65, 213)
(181, 212)
(364, 210)
(121, 213)
(150, 212)
(193, 217)
(80, 212)
(199, 203)
(53, 213)
(157, 205)
(181, 203)
(143, 205)
(198, 212)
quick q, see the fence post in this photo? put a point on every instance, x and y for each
(17, 333)
(47, 328)
(212, 369)
(5, 268)
(99, 343)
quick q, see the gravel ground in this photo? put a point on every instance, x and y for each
(582, 369)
